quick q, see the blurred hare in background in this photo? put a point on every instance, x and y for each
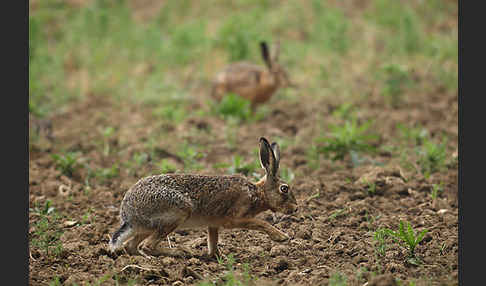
(254, 82)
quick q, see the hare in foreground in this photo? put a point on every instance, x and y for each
(157, 205)
(253, 82)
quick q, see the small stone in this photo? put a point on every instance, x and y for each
(442, 211)
(70, 223)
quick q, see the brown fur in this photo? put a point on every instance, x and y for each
(253, 82)
(157, 205)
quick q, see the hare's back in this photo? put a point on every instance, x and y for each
(240, 75)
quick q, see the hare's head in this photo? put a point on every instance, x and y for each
(271, 60)
(278, 194)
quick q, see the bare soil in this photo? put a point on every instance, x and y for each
(332, 232)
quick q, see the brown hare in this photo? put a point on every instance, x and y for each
(253, 82)
(157, 205)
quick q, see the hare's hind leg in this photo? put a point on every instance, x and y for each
(132, 245)
(163, 226)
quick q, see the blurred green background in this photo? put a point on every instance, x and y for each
(163, 51)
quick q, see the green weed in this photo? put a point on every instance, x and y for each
(396, 81)
(190, 156)
(371, 188)
(44, 210)
(415, 134)
(337, 279)
(67, 162)
(379, 236)
(238, 166)
(401, 24)
(108, 132)
(344, 111)
(286, 174)
(407, 237)
(432, 157)
(336, 214)
(313, 156)
(231, 278)
(436, 189)
(331, 28)
(46, 234)
(341, 140)
(166, 167)
(234, 106)
(239, 36)
(107, 173)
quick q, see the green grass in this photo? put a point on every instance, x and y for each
(432, 156)
(67, 163)
(190, 155)
(379, 237)
(231, 277)
(234, 107)
(436, 189)
(396, 79)
(336, 214)
(407, 237)
(342, 139)
(414, 134)
(337, 279)
(47, 231)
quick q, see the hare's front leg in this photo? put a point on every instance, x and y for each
(256, 224)
(213, 241)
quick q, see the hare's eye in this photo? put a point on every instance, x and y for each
(284, 188)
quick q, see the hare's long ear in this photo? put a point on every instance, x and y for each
(266, 54)
(267, 158)
(276, 153)
(276, 51)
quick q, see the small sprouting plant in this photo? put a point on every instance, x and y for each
(432, 156)
(344, 111)
(313, 157)
(239, 166)
(338, 213)
(407, 237)
(190, 156)
(314, 196)
(230, 278)
(436, 188)
(45, 209)
(416, 134)
(337, 279)
(107, 173)
(234, 106)
(166, 167)
(379, 236)
(88, 217)
(352, 136)
(173, 111)
(46, 235)
(395, 82)
(107, 134)
(286, 174)
(370, 187)
(67, 162)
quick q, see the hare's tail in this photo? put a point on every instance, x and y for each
(120, 236)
